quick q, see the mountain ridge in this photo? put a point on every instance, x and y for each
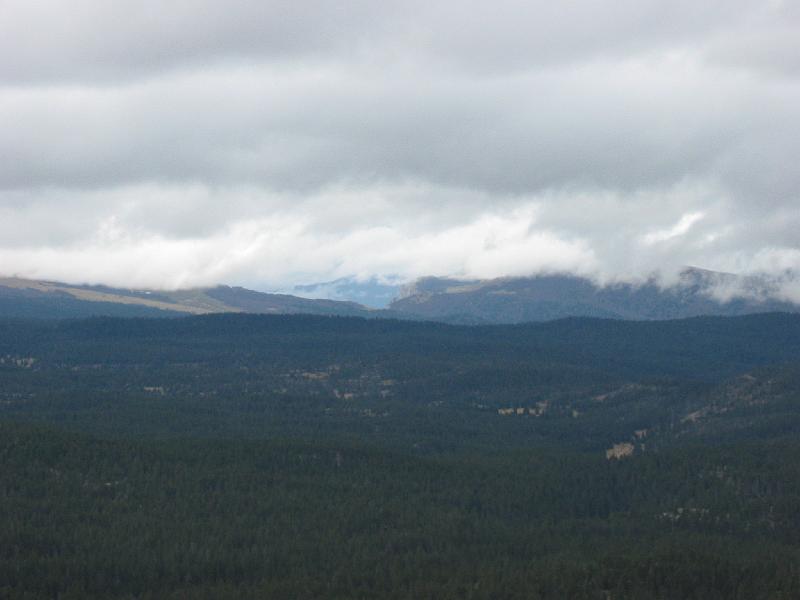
(37, 298)
(463, 301)
(547, 297)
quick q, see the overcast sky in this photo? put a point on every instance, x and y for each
(266, 144)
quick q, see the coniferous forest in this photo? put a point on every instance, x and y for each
(245, 456)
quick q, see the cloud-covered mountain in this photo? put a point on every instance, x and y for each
(547, 297)
(506, 300)
(273, 144)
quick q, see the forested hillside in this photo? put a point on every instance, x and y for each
(236, 456)
(85, 518)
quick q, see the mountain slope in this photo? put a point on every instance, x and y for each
(264, 456)
(505, 300)
(548, 297)
(587, 384)
(46, 299)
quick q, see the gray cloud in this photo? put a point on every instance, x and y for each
(275, 143)
(92, 40)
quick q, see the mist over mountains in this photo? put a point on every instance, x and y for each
(505, 300)
(546, 297)
(400, 300)
(373, 292)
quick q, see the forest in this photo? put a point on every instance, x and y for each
(251, 456)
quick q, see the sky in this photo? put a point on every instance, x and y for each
(269, 144)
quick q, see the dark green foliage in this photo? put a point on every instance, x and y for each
(240, 456)
(580, 383)
(90, 518)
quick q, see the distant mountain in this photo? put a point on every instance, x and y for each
(238, 299)
(548, 297)
(372, 292)
(505, 300)
(26, 298)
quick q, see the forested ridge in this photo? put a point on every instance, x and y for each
(236, 456)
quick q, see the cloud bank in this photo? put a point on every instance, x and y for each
(274, 143)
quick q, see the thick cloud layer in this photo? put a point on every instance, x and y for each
(275, 143)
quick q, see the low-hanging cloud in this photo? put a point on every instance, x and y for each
(277, 143)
